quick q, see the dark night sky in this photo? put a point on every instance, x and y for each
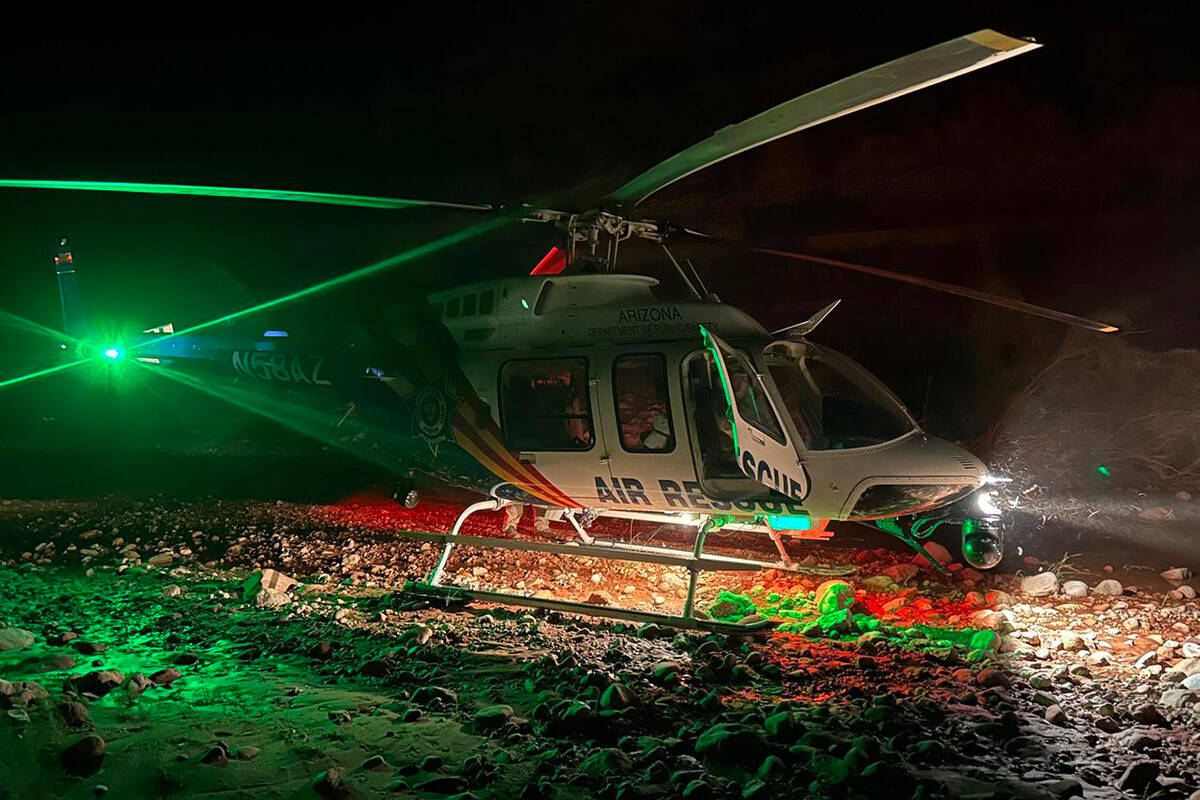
(1069, 177)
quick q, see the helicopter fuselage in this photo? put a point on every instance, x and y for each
(587, 391)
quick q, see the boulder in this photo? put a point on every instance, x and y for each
(15, 639)
(834, 595)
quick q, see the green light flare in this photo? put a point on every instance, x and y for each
(363, 272)
(17, 321)
(296, 417)
(324, 198)
(112, 353)
(1103, 470)
(42, 373)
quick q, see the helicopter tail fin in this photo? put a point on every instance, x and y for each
(74, 319)
(809, 325)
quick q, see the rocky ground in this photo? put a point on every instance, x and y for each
(248, 649)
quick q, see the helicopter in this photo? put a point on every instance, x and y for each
(578, 390)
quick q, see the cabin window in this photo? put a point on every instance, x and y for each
(710, 418)
(750, 397)
(453, 307)
(834, 403)
(544, 405)
(643, 406)
(468, 305)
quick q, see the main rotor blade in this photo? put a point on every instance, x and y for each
(937, 286)
(363, 201)
(876, 85)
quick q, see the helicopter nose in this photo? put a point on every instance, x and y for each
(931, 456)
(918, 472)
(967, 462)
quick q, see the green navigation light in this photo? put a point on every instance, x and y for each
(112, 353)
(789, 522)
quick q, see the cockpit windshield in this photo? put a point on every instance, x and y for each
(834, 403)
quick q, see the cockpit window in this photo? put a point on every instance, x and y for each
(834, 403)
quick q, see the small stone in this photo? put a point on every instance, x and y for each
(1072, 642)
(443, 784)
(985, 641)
(606, 761)
(165, 677)
(376, 763)
(1109, 587)
(1065, 788)
(937, 551)
(901, 573)
(1041, 585)
(1055, 715)
(84, 757)
(1176, 574)
(75, 714)
(992, 677)
(217, 756)
(618, 696)
(98, 683)
(493, 717)
(1138, 777)
(248, 753)
(1148, 714)
(1075, 589)
(268, 579)
(731, 743)
(160, 559)
(329, 785)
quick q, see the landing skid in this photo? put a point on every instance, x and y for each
(450, 594)
(587, 546)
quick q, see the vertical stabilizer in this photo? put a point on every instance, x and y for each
(74, 319)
